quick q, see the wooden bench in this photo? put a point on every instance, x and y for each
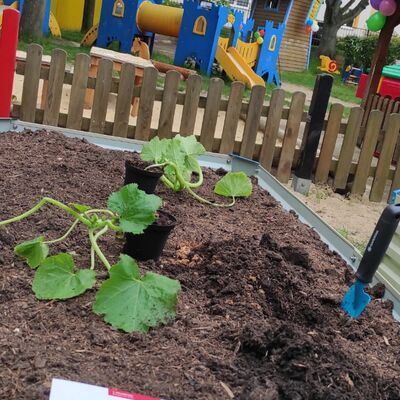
(118, 59)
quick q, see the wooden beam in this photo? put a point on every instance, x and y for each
(381, 51)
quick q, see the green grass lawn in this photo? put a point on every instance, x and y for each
(69, 42)
(307, 78)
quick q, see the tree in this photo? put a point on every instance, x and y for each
(32, 18)
(337, 14)
(88, 15)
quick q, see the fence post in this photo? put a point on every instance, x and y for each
(318, 107)
(8, 54)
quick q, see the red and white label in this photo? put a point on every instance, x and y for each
(130, 396)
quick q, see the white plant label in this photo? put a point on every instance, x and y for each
(67, 390)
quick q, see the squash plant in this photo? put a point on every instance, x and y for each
(127, 300)
(178, 158)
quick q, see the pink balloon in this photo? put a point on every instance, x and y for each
(375, 4)
(388, 7)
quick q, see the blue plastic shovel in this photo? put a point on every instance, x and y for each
(356, 300)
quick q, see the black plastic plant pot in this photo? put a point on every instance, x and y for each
(150, 244)
(145, 179)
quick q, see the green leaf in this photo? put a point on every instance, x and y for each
(131, 302)
(154, 150)
(190, 146)
(234, 184)
(81, 208)
(55, 279)
(174, 152)
(135, 208)
(34, 251)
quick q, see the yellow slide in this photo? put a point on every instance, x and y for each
(236, 67)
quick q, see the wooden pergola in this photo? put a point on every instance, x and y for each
(381, 52)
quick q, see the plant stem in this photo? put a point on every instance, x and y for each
(92, 259)
(66, 234)
(39, 205)
(156, 165)
(93, 241)
(167, 182)
(210, 203)
(101, 211)
(200, 180)
(114, 227)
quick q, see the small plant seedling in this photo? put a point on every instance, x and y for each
(127, 300)
(178, 158)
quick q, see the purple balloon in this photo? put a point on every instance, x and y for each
(388, 7)
(375, 4)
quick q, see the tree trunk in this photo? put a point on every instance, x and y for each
(327, 46)
(88, 15)
(32, 19)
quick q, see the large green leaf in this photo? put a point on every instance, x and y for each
(55, 278)
(234, 184)
(154, 150)
(135, 208)
(131, 302)
(190, 146)
(34, 251)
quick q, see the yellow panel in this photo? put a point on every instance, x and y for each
(97, 12)
(223, 42)
(54, 27)
(248, 51)
(91, 36)
(69, 14)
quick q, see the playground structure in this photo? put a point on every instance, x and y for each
(69, 14)
(197, 27)
(50, 23)
(389, 83)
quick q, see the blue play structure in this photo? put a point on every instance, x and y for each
(200, 44)
(46, 12)
(122, 29)
(247, 55)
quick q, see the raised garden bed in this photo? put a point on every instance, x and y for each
(258, 312)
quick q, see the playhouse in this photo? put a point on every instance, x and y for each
(296, 40)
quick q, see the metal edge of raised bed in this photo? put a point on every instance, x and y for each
(235, 163)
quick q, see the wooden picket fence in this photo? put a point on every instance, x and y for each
(331, 166)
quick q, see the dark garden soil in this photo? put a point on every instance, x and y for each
(258, 312)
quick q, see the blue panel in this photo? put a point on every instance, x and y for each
(201, 48)
(268, 58)
(118, 29)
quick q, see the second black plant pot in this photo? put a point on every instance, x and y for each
(146, 180)
(150, 244)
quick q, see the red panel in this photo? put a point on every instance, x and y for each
(361, 86)
(8, 49)
(390, 87)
